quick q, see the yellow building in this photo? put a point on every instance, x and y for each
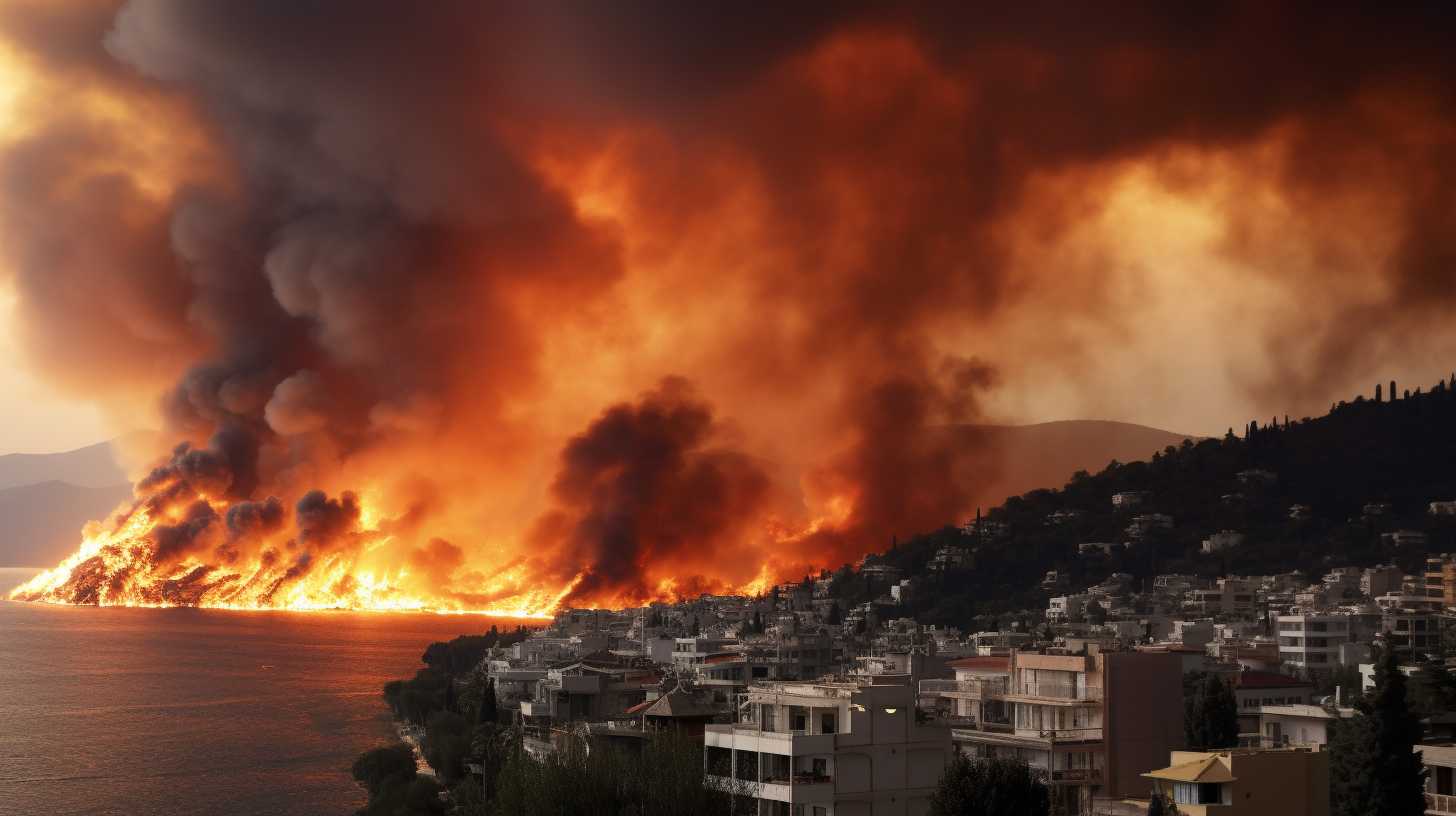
(1247, 782)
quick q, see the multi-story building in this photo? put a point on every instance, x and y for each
(1090, 724)
(1405, 539)
(1441, 579)
(1377, 581)
(1310, 643)
(1411, 632)
(1247, 782)
(1440, 762)
(1066, 607)
(829, 749)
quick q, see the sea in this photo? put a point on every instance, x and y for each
(143, 712)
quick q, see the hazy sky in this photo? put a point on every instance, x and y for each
(33, 417)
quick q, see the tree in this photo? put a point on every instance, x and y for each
(1211, 715)
(1160, 805)
(488, 712)
(1432, 689)
(989, 787)
(1374, 770)
(376, 767)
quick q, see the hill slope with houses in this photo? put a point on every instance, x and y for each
(1373, 481)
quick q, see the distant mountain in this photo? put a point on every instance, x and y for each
(91, 466)
(1045, 455)
(40, 524)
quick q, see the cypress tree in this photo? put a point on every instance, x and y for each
(1374, 770)
(1211, 716)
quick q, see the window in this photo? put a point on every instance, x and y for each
(827, 724)
(1210, 793)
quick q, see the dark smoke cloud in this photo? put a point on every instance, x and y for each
(644, 488)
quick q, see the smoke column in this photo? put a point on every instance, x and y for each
(504, 307)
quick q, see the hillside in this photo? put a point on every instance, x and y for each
(1048, 453)
(1397, 456)
(91, 466)
(40, 524)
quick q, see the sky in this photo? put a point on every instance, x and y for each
(603, 302)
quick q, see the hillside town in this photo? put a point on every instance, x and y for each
(1099, 639)
(815, 713)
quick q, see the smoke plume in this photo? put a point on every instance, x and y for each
(482, 306)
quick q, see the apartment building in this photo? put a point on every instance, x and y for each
(1310, 643)
(1090, 724)
(1411, 632)
(1441, 579)
(829, 749)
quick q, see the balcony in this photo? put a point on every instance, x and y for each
(1076, 776)
(750, 737)
(802, 789)
(1055, 692)
(985, 689)
(1440, 804)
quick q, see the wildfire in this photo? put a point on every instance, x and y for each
(121, 566)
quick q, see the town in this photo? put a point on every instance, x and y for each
(1208, 693)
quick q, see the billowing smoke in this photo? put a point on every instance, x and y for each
(476, 305)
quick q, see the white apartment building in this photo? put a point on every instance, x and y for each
(829, 749)
(1311, 643)
(1066, 607)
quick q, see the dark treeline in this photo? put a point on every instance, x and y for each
(1387, 452)
(454, 703)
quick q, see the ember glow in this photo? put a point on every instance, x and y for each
(498, 309)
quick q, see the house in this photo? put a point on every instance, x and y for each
(1298, 724)
(1406, 539)
(1129, 499)
(1247, 782)
(829, 749)
(1440, 762)
(1254, 690)
(1222, 540)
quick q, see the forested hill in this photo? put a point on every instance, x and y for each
(1368, 452)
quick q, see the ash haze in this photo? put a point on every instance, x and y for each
(504, 306)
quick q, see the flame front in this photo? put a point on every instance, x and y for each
(120, 567)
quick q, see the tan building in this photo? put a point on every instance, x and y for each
(1440, 762)
(1247, 782)
(1091, 724)
(829, 749)
(1441, 578)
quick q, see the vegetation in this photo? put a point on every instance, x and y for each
(1211, 712)
(1387, 452)
(1373, 769)
(1160, 805)
(394, 787)
(990, 787)
(664, 779)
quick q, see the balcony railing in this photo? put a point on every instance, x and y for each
(1077, 775)
(1057, 691)
(1440, 803)
(987, 688)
